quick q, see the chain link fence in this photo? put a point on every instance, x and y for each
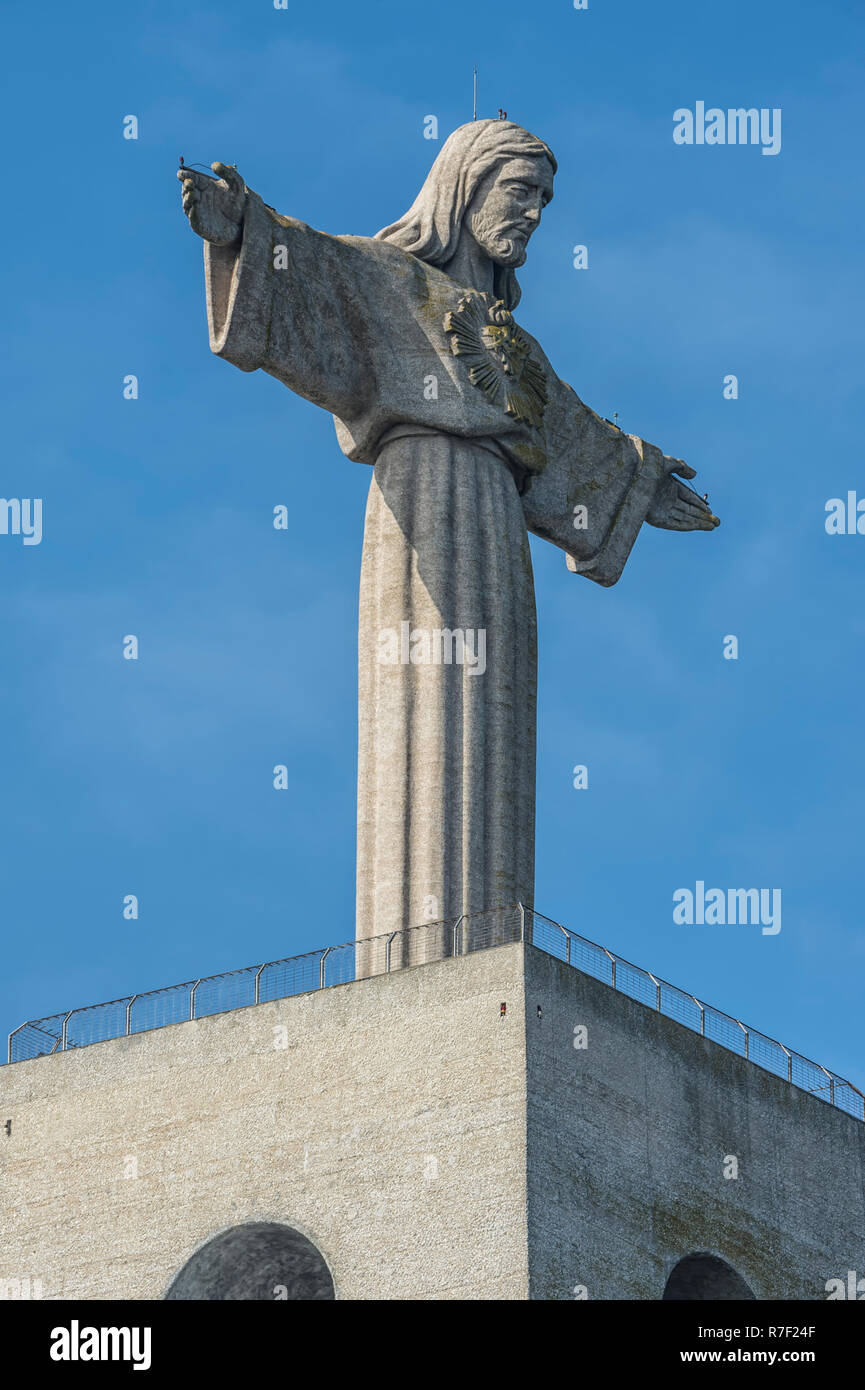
(379, 955)
(257, 984)
(694, 1013)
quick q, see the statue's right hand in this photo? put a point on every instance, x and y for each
(215, 207)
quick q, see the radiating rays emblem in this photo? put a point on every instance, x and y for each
(498, 356)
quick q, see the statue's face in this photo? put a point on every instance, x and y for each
(507, 207)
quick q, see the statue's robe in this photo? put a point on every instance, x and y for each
(446, 775)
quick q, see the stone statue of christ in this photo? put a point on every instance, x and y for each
(408, 339)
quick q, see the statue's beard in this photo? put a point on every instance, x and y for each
(504, 249)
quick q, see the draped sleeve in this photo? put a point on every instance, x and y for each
(595, 490)
(289, 299)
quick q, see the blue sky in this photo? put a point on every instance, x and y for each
(155, 777)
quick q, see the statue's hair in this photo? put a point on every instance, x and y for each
(431, 228)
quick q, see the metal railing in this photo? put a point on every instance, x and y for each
(694, 1013)
(379, 955)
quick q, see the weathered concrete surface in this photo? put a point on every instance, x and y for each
(428, 1147)
(446, 751)
(626, 1147)
(390, 1131)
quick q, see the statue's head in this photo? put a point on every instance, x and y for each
(492, 178)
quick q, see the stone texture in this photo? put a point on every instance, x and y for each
(428, 1147)
(626, 1147)
(332, 1135)
(446, 771)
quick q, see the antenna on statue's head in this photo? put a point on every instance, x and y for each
(475, 106)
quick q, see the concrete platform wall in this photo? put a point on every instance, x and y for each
(428, 1147)
(629, 1139)
(384, 1120)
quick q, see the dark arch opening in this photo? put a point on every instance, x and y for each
(262, 1261)
(706, 1276)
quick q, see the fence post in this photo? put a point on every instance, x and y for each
(567, 936)
(63, 1030)
(324, 955)
(129, 1014)
(612, 960)
(12, 1035)
(458, 935)
(387, 952)
(192, 999)
(257, 991)
(831, 1084)
(744, 1030)
(522, 922)
(702, 1015)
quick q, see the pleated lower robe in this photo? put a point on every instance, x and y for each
(446, 775)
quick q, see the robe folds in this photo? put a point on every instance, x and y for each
(474, 441)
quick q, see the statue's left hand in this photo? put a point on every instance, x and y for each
(675, 506)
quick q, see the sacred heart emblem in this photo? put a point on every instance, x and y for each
(498, 356)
